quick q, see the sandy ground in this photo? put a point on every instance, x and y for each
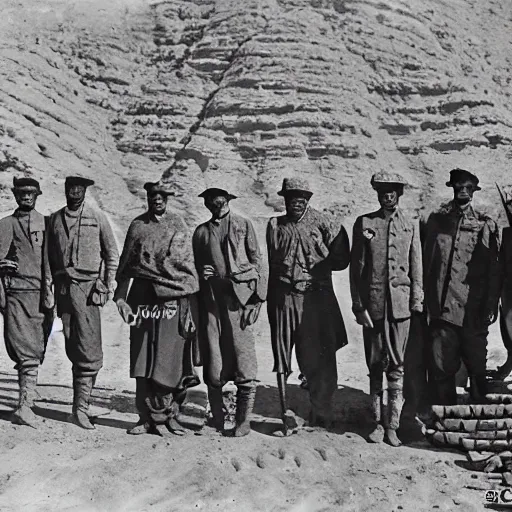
(62, 467)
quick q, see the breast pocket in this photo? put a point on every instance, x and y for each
(89, 251)
(37, 238)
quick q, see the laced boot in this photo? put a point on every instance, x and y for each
(24, 415)
(216, 408)
(395, 410)
(377, 434)
(82, 388)
(245, 398)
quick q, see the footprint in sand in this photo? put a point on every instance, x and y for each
(236, 464)
(260, 461)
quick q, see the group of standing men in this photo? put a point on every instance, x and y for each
(190, 298)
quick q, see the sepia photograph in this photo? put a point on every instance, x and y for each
(255, 255)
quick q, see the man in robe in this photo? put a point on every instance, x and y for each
(462, 287)
(28, 307)
(303, 311)
(387, 288)
(83, 260)
(157, 282)
(232, 288)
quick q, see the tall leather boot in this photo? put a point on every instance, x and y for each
(216, 408)
(245, 398)
(395, 403)
(446, 391)
(478, 389)
(82, 388)
(377, 434)
(27, 379)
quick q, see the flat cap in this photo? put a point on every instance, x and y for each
(78, 180)
(156, 187)
(387, 178)
(26, 184)
(212, 192)
(294, 185)
(461, 174)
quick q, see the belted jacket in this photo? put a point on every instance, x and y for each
(386, 265)
(461, 264)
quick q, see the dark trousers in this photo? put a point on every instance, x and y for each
(228, 349)
(451, 345)
(419, 387)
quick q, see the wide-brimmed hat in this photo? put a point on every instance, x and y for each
(214, 192)
(26, 184)
(387, 178)
(461, 174)
(294, 186)
(78, 180)
(157, 187)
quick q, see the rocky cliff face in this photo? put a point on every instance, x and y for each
(241, 94)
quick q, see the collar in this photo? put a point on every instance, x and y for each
(73, 213)
(385, 215)
(467, 212)
(301, 217)
(220, 219)
(21, 213)
(157, 218)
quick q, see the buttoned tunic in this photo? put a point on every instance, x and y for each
(461, 265)
(386, 265)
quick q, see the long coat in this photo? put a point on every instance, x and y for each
(386, 261)
(461, 264)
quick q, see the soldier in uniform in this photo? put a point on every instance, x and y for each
(303, 250)
(232, 288)
(462, 286)
(28, 307)
(386, 287)
(83, 262)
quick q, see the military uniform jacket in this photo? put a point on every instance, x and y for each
(22, 239)
(386, 265)
(81, 254)
(461, 264)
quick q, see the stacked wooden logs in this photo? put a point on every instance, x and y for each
(484, 431)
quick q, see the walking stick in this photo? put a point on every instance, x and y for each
(281, 385)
